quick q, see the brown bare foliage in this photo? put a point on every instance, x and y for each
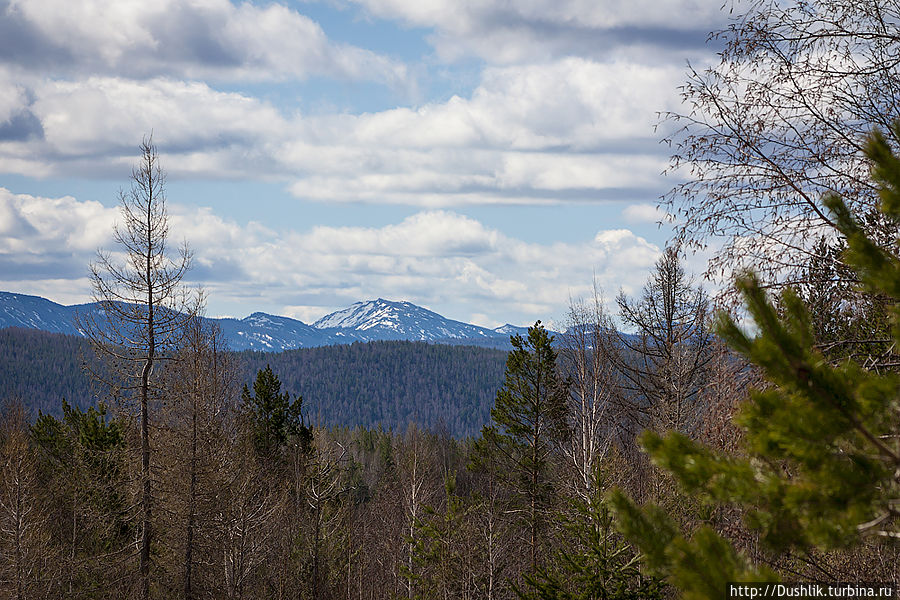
(196, 426)
(589, 356)
(28, 567)
(663, 364)
(779, 122)
(143, 314)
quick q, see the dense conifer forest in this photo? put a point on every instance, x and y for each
(390, 384)
(42, 368)
(386, 384)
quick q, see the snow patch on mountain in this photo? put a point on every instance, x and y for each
(386, 319)
(511, 330)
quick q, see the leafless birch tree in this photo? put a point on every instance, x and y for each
(588, 358)
(779, 122)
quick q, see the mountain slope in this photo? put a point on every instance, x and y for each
(381, 383)
(261, 331)
(34, 312)
(372, 320)
(386, 320)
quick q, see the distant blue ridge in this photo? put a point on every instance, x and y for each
(373, 320)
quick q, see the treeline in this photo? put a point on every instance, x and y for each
(250, 501)
(249, 498)
(386, 384)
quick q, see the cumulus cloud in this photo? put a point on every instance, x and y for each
(554, 132)
(508, 32)
(49, 239)
(444, 260)
(559, 107)
(212, 39)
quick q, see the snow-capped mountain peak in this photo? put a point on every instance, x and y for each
(367, 321)
(387, 319)
(511, 330)
(362, 316)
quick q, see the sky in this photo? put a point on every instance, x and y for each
(486, 159)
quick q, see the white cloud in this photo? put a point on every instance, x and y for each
(447, 261)
(506, 32)
(562, 111)
(469, 15)
(571, 102)
(29, 223)
(99, 114)
(571, 130)
(12, 97)
(208, 39)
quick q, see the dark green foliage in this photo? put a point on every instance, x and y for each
(821, 443)
(81, 467)
(89, 429)
(389, 384)
(273, 416)
(42, 367)
(528, 421)
(593, 562)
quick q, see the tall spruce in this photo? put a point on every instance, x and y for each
(821, 451)
(593, 562)
(528, 423)
(274, 417)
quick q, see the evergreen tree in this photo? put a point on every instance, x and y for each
(822, 451)
(594, 562)
(529, 420)
(273, 416)
(80, 461)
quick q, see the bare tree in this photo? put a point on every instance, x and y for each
(143, 310)
(26, 558)
(195, 428)
(588, 358)
(324, 486)
(663, 363)
(779, 122)
(493, 531)
(249, 513)
(418, 488)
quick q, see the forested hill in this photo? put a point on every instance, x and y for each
(368, 384)
(391, 383)
(42, 368)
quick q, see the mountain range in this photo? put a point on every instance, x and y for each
(372, 320)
